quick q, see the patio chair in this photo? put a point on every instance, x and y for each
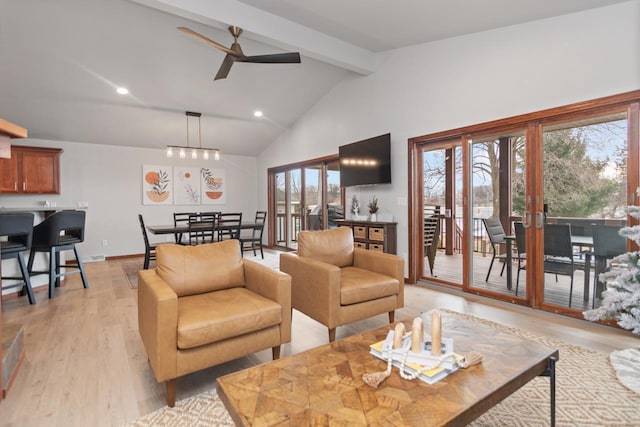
(521, 249)
(607, 244)
(496, 238)
(558, 252)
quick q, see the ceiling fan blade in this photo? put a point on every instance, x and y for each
(208, 41)
(223, 72)
(276, 58)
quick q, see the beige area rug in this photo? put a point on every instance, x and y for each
(587, 394)
(131, 272)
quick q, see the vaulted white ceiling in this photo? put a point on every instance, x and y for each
(61, 61)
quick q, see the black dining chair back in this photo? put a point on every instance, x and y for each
(252, 239)
(558, 252)
(607, 241)
(203, 227)
(496, 234)
(18, 230)
(180, 218)
(229, 225)
(149, 249)
(60, 232)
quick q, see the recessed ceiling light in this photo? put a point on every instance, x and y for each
(257, 113)
(122, 90)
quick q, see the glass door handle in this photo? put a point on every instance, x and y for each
(526, 219)
(539, 219)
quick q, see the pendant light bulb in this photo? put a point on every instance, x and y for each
(205, 154)
(182, 153)
(169, 152)
(194, 154)
(216, 154)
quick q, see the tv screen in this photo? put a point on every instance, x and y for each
(366, 162)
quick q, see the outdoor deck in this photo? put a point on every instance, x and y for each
(449, 267)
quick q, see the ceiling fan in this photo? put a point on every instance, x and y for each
(234, 53)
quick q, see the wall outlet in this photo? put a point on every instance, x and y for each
(105, 243)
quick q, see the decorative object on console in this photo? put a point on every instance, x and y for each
(355, 206)
(436, 333)
(182, 149)
(373, 208)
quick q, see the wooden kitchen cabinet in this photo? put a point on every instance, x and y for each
(31, 170)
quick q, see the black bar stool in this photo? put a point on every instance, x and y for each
(59, 232)
(18, 228)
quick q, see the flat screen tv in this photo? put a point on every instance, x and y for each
(366, 162)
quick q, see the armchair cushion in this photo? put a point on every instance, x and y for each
(212, 317)
(358, 285)
(334, 246)
(191, 270)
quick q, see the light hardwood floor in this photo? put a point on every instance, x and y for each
(85, 363)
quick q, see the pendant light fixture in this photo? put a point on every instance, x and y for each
(195, 152)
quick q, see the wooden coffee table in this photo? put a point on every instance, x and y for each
(324, 385)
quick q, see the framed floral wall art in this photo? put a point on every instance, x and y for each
(212, 186)
(157, 185)
(186, 186)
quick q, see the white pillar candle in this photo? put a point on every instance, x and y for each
(436, 333)
(416, 335)
(398, 333)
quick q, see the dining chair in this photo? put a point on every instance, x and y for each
(18, 230)
(180, 218)
(496, 238)
(558, 252)
(229, 225)
(521, 250)
(203, 227)
(607, 244)
(149, 249)
(60, 232)
(250, 239)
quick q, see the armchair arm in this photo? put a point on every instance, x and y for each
(315, 287)
(273, 285)
(383, 263)
(158, 323)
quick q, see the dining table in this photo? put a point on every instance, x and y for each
(185, 228)
(580, 242)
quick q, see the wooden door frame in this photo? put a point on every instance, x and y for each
(533, 123)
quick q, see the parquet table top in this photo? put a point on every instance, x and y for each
(324, 386)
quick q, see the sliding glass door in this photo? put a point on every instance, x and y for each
(305, 196)
(539, 206)
(585, 185)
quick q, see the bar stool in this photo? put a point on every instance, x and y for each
(18, 228)
(59, 232)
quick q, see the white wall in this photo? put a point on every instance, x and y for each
(109, 178)
(463, 81)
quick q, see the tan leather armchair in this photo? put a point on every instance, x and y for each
(204, 305)
(335, 283)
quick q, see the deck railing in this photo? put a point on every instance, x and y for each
(294, 227)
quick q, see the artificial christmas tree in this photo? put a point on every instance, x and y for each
(621, 299)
